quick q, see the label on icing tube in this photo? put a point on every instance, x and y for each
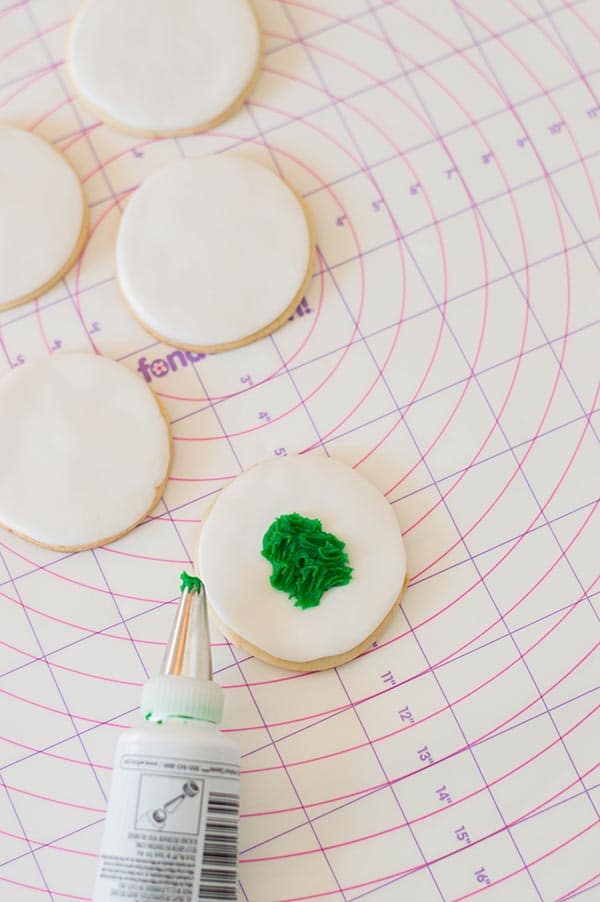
(171, 831)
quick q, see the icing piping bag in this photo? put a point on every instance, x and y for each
(173, 810)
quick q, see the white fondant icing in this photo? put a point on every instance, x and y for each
(164, 65)
(42, 213)
(211, 250)
(84, 450)
(236, 576)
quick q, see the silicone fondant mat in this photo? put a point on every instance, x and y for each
(448, 349)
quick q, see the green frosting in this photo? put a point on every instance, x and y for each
(191, 583)
(306, 560)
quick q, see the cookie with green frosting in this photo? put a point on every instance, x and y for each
(303, 562)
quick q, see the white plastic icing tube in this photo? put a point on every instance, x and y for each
(171, 827)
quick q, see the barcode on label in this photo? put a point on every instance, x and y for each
(218, 878)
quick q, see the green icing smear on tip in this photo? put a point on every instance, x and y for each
(306, 560)
(191, 583)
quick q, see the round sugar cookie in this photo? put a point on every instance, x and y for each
(85, 451)
(214, 252)
(43, 216)
(164, 67)
(363, 558)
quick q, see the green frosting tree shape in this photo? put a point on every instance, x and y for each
(306, 560)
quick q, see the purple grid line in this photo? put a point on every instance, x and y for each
(371, 792)
(309, 36)
(287, 370)
(453, 658)
(519, 721)
(298, 37)
(565, 555)
(429, 576)
(367, 792)
(32, 851)
(358, 151)
(14, 318)
(377, 757)
(549, 17)
(122, 621)
(555, 191)
(76, 734)
(357, 148)
(483, 582)
(323, 82)
(78, 831)
(410, 149)
(291, 781)
(448, 476)
(64, 90)
(426, 396)
(39, 846)
(531, 816)
(582, 892)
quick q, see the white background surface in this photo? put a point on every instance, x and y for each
(447, 349)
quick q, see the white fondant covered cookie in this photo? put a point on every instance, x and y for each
(164, 67)
(262, 618)
(213, 252)
(85, 451)
(43, 216)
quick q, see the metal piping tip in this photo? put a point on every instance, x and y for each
(188, 650)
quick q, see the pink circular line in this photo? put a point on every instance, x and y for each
(564, 249)
(564, 344)
(109, 209)
(31, 81)
(59, 106)
(548, 95)
(12, 8)
(145, 557)
(361, 701)
(572, 9)
(40, 844)
(82, 133)
(76, 582)
(83, 673)
(63, 802)
(91, 632)
(48, 754)
(15, 49)
(220, 437)
(565, 253)
(329, 712)
(420, 624)
(477, 740)
(313, 326)
(433, 861)
(302, 853)
(377, 834)
(442, 249)
(577, 889)
(520, 870)
(432, 714)
(43, 889)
